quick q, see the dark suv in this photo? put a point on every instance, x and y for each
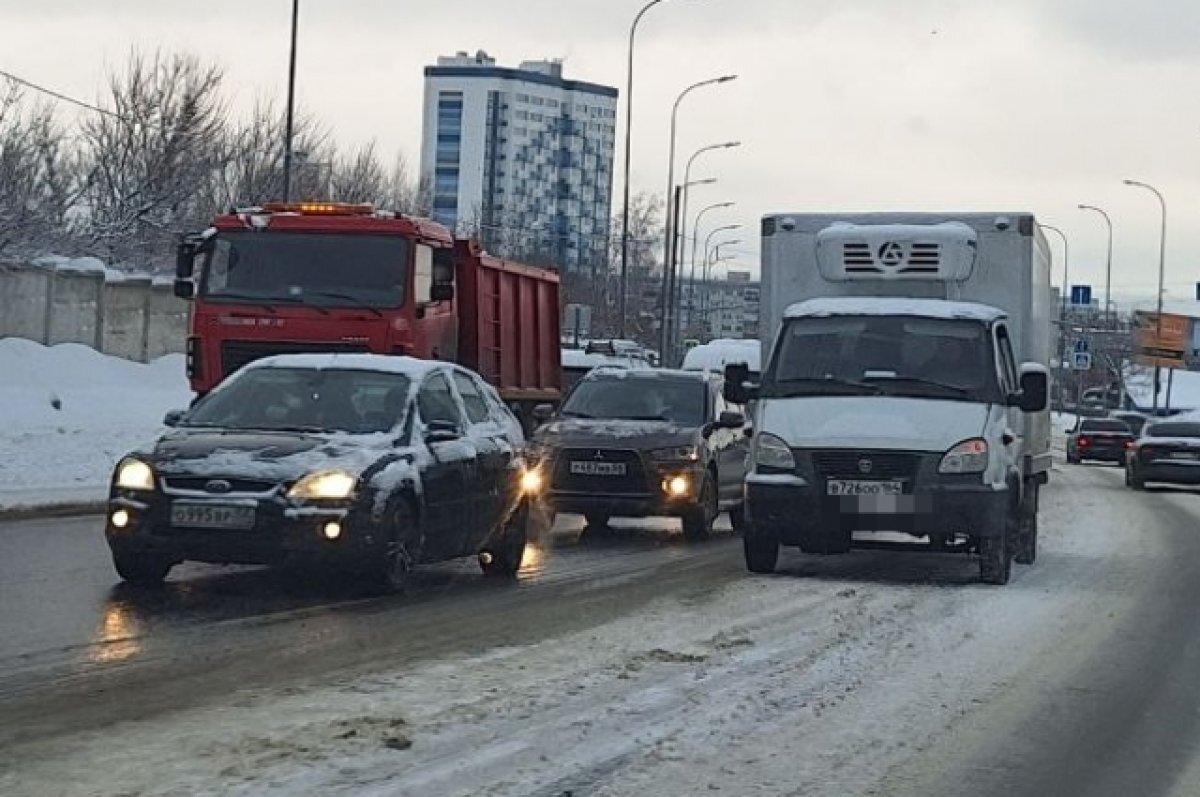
(644, 443)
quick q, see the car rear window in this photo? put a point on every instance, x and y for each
(1180, 429)
(1104, 426)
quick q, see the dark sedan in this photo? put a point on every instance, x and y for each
(1099, 439)
(1168, 452)
(639, 443)
(367, 464)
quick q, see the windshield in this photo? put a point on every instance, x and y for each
(649, 398)
(331, 270)
(1173, 430)
(305, 399)
(888, 355)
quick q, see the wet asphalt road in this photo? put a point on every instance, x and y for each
(77, 650)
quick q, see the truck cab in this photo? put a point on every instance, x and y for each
(880, 411)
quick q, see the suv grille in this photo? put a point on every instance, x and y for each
(632, 483)
(236, 353)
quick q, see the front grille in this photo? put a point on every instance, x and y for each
(200, 484)
(236, 353)
(632, 483)
(852, 464)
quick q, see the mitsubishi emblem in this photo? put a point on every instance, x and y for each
(865, 465)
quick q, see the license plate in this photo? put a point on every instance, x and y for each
(860, 487)
(1183, 455)
(212, 516)
(589, 468)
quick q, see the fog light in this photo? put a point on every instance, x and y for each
(332, 530)
(120, 518)
(677, 487)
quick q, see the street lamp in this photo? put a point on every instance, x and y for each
(1107, 264)
(680, 241)
(681, 237)
(1162, 268)
(291, 105)
(695, 241)
(628, 141)
(672, 224)
(1066, 285)
(674, 238)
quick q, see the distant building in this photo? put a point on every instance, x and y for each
(523, 157)
(721, 308)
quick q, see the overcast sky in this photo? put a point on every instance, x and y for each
(841, 104)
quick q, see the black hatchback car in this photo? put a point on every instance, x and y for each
(639, 443)
(1168, 452)
(368, 464)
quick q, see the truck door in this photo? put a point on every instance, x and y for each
(1009, 383)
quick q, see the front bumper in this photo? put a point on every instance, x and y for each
(282, 532)
(789, 507)
(650, 498)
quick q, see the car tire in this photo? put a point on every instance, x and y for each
(597, 520)
(1072, 460)
(1136, 483)
(141, 569)
(698, 520)
(995, 553)
(761, 549)
(1027, 551)
(503, 560)
(391, 573)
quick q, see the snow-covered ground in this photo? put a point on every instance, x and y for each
(819, 681)
(68, 412)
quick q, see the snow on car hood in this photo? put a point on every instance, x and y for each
(886, 422)
(270, 456)
(645, 435)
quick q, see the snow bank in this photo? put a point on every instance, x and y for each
(67, 413)
(1184, 389)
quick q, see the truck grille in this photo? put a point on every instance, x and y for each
(852, 464)
(913, 259)
(236, 353)
(632, 483)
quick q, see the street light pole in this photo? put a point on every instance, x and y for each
(707, 242)
(695, 241)
(1062, 311)
(681, 234)
(680, 242)
(1107, 265)
(1162, 270)
(625, 186)
(291, 106)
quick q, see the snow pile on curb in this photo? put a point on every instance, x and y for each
(68, 412)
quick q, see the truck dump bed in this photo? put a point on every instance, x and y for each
(510, 324)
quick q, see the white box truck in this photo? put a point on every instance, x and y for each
(906, 386)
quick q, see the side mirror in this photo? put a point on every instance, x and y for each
(185, 289)
(185, 259)
(737, 388)
(441, 292)
(543, 412)
(173, 417)
(731, 420)
(1035, 388)
(441, 432)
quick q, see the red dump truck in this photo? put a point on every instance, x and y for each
(332, 277)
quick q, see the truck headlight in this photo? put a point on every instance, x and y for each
(969, 456)
(328, 484)
(674, 454)
(133, 474)
(773, 454)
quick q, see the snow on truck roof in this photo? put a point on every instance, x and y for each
(925, 308)
(385, 363)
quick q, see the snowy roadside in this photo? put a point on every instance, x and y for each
(67, 413)
(819, 684)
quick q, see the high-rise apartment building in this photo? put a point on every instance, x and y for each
(523, 157)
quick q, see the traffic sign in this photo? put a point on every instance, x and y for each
(1082, 346)
(1082, 361)
(1081, 295)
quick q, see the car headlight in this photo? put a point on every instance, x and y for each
(133, 474)
(969, 456)
(773, 454)
(328, 484)
(674, 454)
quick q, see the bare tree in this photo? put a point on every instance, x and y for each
(148, 164)
(360, 177)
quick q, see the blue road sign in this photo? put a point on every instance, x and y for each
(1081, 294)
(1082, 346)
(1082, 361)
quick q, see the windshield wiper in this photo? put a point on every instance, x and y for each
(662, 418)
(831, 381)
(916, 380)
(257, 301)
(346, 298)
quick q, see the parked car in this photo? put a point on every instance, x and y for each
(1100, 439)
(1167, 452)
(368, 464)
(639, 443)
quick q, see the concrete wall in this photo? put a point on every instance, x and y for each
(130, 317)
